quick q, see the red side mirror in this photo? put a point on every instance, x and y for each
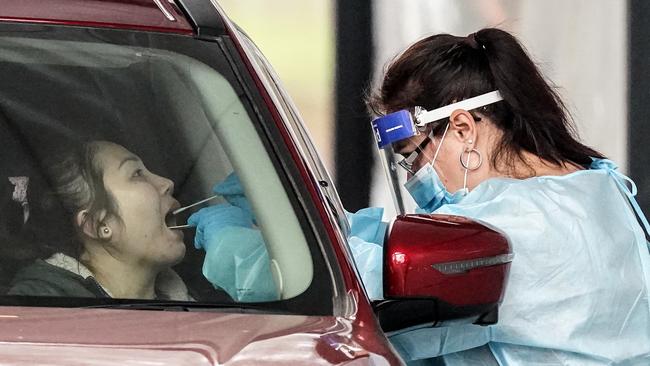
(459, 264)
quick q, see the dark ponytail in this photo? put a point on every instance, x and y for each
(441, 69)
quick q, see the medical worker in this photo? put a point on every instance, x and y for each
(484, 136)
(492, 141)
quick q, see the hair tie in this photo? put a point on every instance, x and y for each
(472, 42)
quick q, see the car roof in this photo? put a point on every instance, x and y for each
(148, 15)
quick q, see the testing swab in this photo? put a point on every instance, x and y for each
(181, 227)
(179, 210)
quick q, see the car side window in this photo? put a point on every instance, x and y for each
(106, 149)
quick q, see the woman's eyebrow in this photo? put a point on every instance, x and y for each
(127, 159)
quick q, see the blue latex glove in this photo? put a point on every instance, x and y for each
(236, 258)
(233, 192)
(212, 219)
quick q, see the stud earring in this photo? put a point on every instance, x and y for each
(470, 141)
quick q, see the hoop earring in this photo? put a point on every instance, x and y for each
(465, 164)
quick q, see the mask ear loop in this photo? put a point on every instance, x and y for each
(435, 156)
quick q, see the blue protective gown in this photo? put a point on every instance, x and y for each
(577, 292)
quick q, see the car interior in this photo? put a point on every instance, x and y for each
(184, 119)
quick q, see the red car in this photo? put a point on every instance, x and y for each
(159, 100)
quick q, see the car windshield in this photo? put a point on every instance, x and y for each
(105, 135)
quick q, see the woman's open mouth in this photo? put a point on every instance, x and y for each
(170, 219)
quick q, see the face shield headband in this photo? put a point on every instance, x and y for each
(402, 124)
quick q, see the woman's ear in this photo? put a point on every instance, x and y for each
(462, 127)
(93, 227)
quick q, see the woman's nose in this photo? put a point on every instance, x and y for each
(166, 185)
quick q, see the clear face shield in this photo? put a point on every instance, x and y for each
(402, 125)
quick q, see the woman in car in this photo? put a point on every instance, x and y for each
(107, 223)
(578, 285)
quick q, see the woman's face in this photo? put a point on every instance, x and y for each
(447, 163)
(144, 200)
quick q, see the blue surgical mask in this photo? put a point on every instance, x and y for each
(427, 189)
(429, 192)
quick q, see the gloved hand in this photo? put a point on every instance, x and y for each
(209, 221)
(236, 258)
(233, 192)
